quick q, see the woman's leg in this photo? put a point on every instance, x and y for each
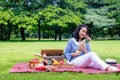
(90, 60)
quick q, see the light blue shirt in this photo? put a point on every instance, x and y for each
(71, 47)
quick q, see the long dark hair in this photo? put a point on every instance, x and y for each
(76, 32)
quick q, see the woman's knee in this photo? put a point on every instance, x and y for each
(92, 53)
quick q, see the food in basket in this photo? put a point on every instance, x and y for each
(32, 63)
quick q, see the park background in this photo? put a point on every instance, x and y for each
(57, 19)
(28, 26)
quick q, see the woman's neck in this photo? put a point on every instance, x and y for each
(79, 40)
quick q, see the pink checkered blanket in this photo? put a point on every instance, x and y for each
(23, 67)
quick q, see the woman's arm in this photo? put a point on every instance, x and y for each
(71, 50)
(88, 46)
(76, 53)
(67, 51)
(83, 47)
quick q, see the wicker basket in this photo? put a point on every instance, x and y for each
(53, 54)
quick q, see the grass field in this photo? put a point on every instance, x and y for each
(12, 52)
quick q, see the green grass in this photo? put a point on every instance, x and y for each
(12, 52)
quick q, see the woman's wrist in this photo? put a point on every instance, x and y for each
(77, 52)
(85, 52)
(73, 54)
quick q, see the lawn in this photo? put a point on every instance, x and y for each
(12, 52)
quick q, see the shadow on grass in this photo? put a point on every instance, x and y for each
(106, 40)
(50, 40)
(34, 41)
(117, 58)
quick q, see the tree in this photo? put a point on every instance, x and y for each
(99, 20)
(6, 17)
(54, 18)
(49, 19)
(24, 22)
(114, 12)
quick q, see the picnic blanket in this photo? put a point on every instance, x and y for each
(23, 67)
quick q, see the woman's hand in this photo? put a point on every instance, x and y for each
(77, 52)
(88, 38)
(85, 50)
(82, 47)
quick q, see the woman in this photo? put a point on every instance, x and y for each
(78, 51)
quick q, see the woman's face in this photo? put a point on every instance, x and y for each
(83, 32)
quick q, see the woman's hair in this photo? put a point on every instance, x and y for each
(76, 32)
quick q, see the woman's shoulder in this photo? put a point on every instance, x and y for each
(72, 39)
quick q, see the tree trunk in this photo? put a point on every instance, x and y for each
(89, 33)
(55, 35)
(60, 34)
(22, 33)
(9, 30)
(90, 26)
(39, 32)
(118, 32)
(1, 32)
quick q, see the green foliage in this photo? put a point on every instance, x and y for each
(95, 3)
(97, 16)
(26, 22)
(5, 16)
(50, 15)
(100, 17)
(114, 12)
(60, 16)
